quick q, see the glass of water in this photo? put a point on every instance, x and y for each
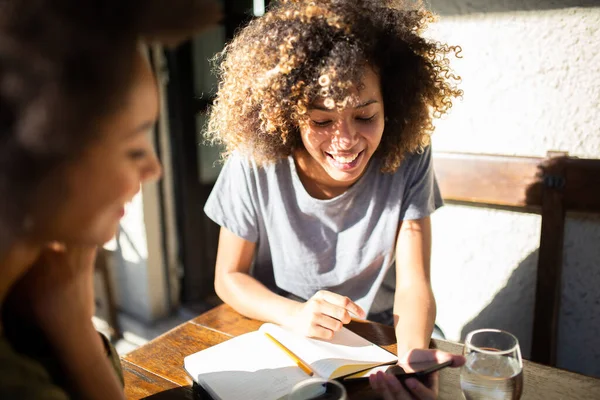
(494, 368)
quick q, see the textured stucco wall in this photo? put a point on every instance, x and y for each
(531, 76)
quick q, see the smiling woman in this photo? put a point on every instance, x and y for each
(325, 109)
(78, 101)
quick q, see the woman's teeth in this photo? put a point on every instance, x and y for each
(344, 159)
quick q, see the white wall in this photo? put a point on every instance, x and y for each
(531, 77)
(137, 265)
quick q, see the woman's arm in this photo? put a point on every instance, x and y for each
(236, 287)
(414, 303)
(414, 315)
(86, 363)
(320, 316)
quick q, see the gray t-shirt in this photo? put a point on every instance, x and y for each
(345, 244)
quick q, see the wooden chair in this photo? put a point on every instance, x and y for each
(550, 187)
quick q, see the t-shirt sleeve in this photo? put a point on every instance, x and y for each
(113, 358)
(232, 202)
(422, 195)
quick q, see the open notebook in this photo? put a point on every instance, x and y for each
(251, 366)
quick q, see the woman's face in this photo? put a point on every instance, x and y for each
(109, 172)
(342, 141)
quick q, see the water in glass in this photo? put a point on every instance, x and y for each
(490, 376)
(493, 368)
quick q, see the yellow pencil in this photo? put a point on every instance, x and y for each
(305, 367)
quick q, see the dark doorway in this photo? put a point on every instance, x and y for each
(190, 91)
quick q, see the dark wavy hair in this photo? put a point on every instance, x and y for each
(64, 66)
(279, 63)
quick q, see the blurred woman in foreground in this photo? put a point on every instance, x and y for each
(78, 102)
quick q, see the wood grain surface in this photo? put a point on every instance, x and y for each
(164, 355)
(156, 369)
(142, 384)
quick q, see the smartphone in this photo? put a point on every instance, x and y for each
(420, 370)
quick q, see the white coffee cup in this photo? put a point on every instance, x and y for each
(318, 389)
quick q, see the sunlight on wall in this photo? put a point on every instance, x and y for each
(484, 266)
(131, 261)
(532, 84)
(258, 7)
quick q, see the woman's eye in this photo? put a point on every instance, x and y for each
(366, 119)
(321, 123)
(137, 154)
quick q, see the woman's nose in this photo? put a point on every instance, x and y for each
(152, 170)
(346, 135)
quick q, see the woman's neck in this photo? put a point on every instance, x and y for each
(315, 179)
(14, 263)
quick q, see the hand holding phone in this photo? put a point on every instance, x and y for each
(418, 370)
(415, 378)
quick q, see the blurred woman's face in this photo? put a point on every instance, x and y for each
(109, 172)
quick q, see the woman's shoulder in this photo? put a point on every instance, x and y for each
(238, 162)
(414, 166)
(413, 161)
(22, 377)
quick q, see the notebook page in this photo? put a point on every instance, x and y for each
(248, 366)
(346, 353)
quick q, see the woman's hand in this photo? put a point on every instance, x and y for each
(58, 290)
(391, 389)
(57, 295)
(324, 314)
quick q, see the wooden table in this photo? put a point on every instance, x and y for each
(155, 370)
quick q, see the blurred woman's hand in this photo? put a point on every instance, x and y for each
(58, 290)
(57, 296)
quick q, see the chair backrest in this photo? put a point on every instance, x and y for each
(550, 187)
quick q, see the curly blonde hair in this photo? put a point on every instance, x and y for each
(280, 63)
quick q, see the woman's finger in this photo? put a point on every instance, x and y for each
(318, 332)
(396, 387)
(389, 387)
(384, 389)
(419, 390)
(342, 301)
(415, 356)
(334, 311)
(327, 322)
(432, 382)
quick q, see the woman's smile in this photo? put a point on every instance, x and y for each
(344, 161)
